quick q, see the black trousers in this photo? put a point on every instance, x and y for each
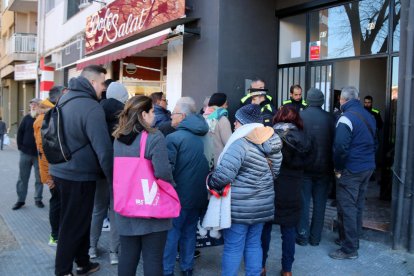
(350, 194)
(54, 212)
(76, 200)
(152, 247)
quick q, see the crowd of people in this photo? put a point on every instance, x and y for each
(270, 168)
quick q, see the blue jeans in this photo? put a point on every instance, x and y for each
(350, 195)
(288, 247)
(183, 232)
(239, 240)
(317, 188)
(25, 167)
(266, 237)
(104, 200)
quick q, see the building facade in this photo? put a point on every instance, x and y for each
(17, 59)
(222, 45)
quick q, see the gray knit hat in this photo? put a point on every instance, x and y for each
(117, 91)
(315, 97)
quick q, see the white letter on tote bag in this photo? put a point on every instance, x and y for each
(149, 195)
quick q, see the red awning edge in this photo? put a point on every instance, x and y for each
(124, 51)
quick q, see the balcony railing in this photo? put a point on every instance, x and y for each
(22, 43)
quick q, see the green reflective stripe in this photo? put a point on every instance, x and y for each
(245, 98)
(287, 102)
(268, 107)
(375, 110)
(269, 97)
(304, 103)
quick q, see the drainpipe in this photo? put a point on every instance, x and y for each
(409, 79)
(403, 115)
(39, 11)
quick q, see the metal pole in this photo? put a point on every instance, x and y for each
(37, 93)
(409, 88)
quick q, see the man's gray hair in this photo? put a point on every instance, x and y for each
(187, 105)
(349, 93)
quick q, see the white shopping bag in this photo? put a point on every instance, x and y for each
(6, 139)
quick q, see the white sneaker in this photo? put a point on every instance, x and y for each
(106, 226)
(93, 252)
(113, 258)
(215, 234)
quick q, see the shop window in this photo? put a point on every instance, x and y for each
(292, 39)
(72, 8)
(396, 26)
(353, 29)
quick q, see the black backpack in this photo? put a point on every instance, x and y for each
(53, 139)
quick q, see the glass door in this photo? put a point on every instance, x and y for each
(289, 76)
(320, 77)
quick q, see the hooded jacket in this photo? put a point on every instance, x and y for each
(297, 154)
(85, 130)
(245, 166)
(186, 152)
(162, 115)
(219, 128)
(37, 125)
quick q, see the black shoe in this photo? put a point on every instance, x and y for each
(89, 269)
(187, 272)
(301, 242)
(341, 255)
(39, 204)
(197, 254)
(18, 205)
(314, 243)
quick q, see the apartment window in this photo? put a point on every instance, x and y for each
(73, 8)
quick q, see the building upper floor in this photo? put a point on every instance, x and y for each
(18, 36)
(66, 19)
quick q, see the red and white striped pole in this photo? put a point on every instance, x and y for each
(46, 79)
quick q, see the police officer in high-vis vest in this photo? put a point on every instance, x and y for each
(257, 94)
(296, 98)
(375, 112)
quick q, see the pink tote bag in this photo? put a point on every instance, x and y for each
(137, 193)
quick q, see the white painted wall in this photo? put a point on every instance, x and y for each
(346, 74)
(58, 30)
(174, 72)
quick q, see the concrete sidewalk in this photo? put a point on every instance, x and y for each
(24, 250)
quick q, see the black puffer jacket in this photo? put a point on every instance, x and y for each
(297, 153)
(112, 109)
(320, 125)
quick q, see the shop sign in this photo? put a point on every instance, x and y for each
(25, 71)
(315, 50)
(124, 18)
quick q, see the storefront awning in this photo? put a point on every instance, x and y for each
(125, 50)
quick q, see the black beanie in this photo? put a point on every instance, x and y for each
(217, 99)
